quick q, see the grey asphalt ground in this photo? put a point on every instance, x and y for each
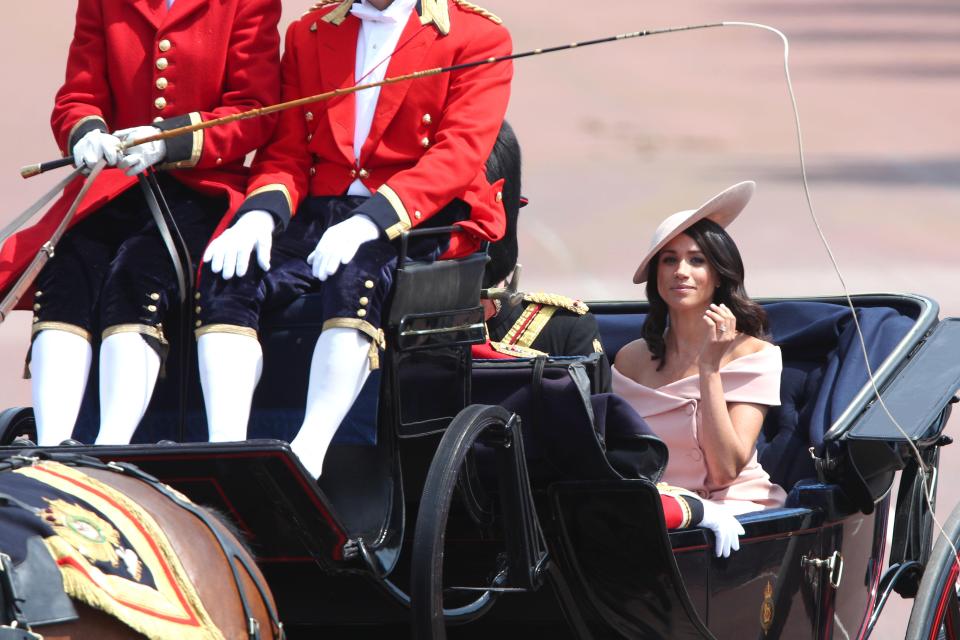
(618, 136)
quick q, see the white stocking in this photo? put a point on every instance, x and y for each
(128, 373)
(338, 370)
(230, 367)
(59, 367)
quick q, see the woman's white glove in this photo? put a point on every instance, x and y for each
(95, 145)
(136, 159)
(229, 253)
(339, 244)
(726, 529)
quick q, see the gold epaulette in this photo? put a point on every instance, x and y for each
(320, 5)
(469, 6)
(515, 350)
(336, 15)
(554, 300)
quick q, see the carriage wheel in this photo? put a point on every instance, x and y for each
(433, 604)
(936, 607)
(17, 422)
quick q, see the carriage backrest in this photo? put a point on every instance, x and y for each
(823, 370)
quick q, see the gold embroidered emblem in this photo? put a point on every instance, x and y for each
(83, 530)
(766, 609)
(597, 347)
(469, 6)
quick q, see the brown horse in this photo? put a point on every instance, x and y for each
(234, 600)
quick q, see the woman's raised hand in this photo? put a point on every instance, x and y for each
(721, 330)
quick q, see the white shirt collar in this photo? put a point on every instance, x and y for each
(396, 12)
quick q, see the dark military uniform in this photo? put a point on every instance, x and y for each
(545, 324)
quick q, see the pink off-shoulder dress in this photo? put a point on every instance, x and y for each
(673, 414)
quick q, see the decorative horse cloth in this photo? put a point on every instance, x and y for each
(112, 555)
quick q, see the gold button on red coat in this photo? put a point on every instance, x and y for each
(364, 173)
(427, 119)
(160, 103)
(162, 63)
(425, 143)
(164, 45)
(161, 83)
(313, 171)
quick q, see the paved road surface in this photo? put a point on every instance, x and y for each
(618, 136)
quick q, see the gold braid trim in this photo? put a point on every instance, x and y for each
(60, 326)
(235, 329)
(143, 329)
(121, 598)
(377, 340)
(555, 300)
(469, 6)
(515, 350)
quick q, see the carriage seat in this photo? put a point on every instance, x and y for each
(822, 373)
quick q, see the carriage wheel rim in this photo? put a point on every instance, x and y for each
(938, 617)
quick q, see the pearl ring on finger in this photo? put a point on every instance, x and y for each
(722, 328)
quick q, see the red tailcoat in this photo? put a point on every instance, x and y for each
(429, 139)
(134, 61)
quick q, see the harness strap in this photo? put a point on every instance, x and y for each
(148, 186)
(9, 602)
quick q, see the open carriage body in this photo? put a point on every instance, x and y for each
(561, 528)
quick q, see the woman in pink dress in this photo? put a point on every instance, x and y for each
(704, 374)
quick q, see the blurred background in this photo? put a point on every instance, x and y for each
(618, 136)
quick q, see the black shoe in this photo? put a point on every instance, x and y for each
(23, 442)
(70, 442)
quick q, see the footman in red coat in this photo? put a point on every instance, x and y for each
(357, 171)
(136, 67)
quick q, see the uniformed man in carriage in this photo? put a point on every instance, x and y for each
(338, 184)
(135, 69)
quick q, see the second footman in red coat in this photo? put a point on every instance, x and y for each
(343, 179)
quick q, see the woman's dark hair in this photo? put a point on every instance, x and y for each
(722, 254)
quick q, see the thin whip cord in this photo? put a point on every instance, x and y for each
(927, 488)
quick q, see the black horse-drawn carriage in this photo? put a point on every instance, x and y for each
(533, 497)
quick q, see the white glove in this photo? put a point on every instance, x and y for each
(726, 529)
(339, 244)
(137, 159)
(96, 145)
(229, 253)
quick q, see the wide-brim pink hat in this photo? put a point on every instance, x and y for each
(722, 208)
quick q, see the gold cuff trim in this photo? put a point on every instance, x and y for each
(274, 187)
(339, 14)
(61, 326)
(677, 493)
(235, 329)
(78, 124)
(196, 149)
(377, 340)
(155, 332)
(404, 218)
